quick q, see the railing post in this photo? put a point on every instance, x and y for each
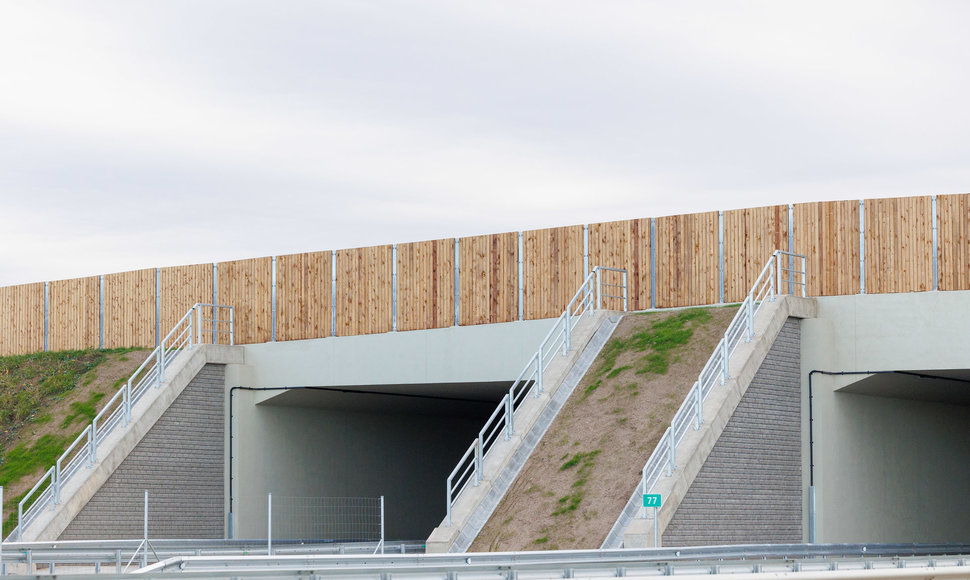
(126, 402)
(478, 461)
(625, 294)
(643, 488)
(725, 362)
(749, 319)
(20, 523)
(777, 259)
(599, 290)
(232, 326)
(538, 388)
(698, 406)
(160, 365)
(771, 282)
(191, 328)
(91, 445)
(566, 333)
(57, 481)
(671, 452)
(508, 417)
(448, 502)
(804, 277)
(198, 323)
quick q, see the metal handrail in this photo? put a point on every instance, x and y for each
(588, 298)
(767, 286)
(184, 335)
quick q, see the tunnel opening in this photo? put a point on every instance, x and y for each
(367, 441)
(895, 459)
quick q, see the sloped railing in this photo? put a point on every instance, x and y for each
(779, 273)
(200, 325)
(591, 296)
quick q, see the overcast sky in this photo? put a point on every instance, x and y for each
(144, 133)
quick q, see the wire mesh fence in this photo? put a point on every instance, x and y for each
(322, 519)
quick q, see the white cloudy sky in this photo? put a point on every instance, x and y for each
(151, 133)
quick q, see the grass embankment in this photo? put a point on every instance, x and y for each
(46, 400)
(571, 490)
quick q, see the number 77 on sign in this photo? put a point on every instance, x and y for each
(651, 500)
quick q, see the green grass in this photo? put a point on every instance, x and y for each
(84, 410)
(28, 384)
(657, 341)
(584, 462)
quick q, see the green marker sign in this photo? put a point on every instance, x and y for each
(651, 500)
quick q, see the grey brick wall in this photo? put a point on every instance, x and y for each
(180, 461)
(750, 488)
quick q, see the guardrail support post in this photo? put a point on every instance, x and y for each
(232, 325)
(198, 324)
(160, 364)
(771, 282)
(777, 259)
(126, 402)
(56, 482)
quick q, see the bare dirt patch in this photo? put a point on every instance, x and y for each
(576, 483)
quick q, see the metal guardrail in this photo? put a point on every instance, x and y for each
(778, 274)
(590, 296)
(193, 328)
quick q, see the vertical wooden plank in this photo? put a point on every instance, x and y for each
(687, 255)
(364, 285)
(624, 244)
(750, 237)
(899, 245)
(303, 295)
(425, 284)
(553, 269)
(182, 288)
(73, 314)
(488, 278)
(129, 309)
(246, 285)
(827, 233)
(953, 238)
(22, 319)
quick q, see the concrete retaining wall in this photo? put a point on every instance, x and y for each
(750, 487)
(180, 461)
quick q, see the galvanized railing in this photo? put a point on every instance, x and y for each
(201, 324)
(778, 275)
(592, 295)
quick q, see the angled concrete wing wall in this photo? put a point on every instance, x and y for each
(180, 462)
(749, 490)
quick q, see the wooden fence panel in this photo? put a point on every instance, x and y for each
(899, 244)
(247, 285)
(129, 309)
(828, 234)
(953, 241)
(552, 265)
(303, 295)
(750, 237)
(426, 285)
(624, 244)
(22, 319)
(488, 279)
(73, 314)
(687, 256)
(182, 288)
(364, 287)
